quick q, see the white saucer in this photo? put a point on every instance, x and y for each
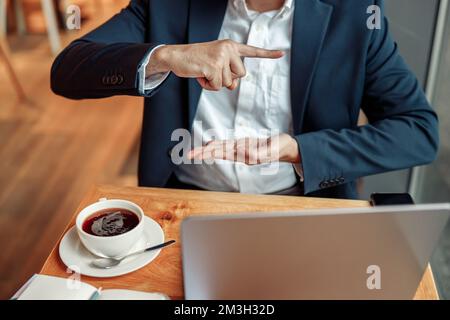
(77, 258)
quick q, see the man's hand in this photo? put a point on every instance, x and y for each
(252, 151)
(215, 64)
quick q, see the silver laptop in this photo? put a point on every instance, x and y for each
(367, 253)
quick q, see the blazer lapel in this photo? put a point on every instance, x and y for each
(311, 18)
(205, 21)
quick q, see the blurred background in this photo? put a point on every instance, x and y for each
(52, 150)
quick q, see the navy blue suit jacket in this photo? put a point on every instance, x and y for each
(338, 67)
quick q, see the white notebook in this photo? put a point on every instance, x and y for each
(42, 287)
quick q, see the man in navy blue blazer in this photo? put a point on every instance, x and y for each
(305, 68)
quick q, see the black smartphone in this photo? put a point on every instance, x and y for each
(389, 199)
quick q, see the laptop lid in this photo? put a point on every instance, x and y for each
(361, 253)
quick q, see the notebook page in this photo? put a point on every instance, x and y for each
(44, 287)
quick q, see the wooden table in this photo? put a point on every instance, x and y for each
(168, 207)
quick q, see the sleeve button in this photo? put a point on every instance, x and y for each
(114, 80)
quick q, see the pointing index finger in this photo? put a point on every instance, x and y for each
(255, 52)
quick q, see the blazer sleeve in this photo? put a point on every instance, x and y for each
(402, 130)
(106, 61)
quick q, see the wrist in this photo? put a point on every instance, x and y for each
(292, 152)
(159, 61)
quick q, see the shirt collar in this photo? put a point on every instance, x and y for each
(241, 6)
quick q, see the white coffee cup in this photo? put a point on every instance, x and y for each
(111, 246)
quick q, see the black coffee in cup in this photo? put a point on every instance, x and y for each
(110, 222)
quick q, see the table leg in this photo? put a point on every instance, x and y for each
(3, 14)
(52, 25)
(20, 17)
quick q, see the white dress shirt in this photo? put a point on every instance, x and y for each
(259, 107)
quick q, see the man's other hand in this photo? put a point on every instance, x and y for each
(251, 151)
(214, 64)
